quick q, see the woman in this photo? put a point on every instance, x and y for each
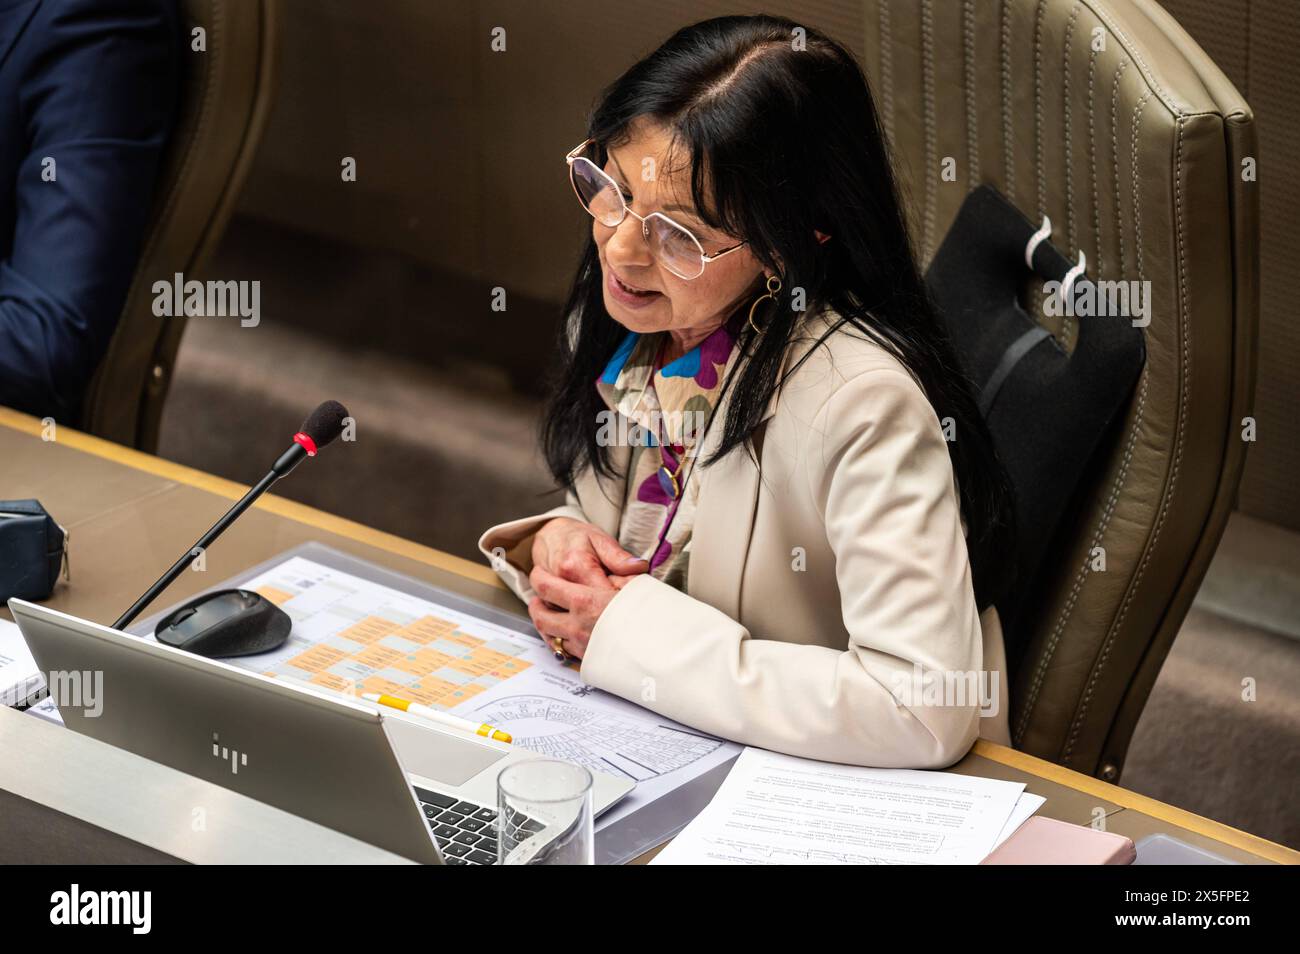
(792, 575)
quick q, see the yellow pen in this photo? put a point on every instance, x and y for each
(436, 715)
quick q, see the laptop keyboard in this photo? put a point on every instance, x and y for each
(467, 833)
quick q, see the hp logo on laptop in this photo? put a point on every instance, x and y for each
(221, 752)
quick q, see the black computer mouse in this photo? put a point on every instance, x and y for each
(225, 623)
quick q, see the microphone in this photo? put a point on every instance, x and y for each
(322, 426)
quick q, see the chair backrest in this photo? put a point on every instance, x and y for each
(223, 110)
(1106, 117)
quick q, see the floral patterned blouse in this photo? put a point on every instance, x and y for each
(668, 407)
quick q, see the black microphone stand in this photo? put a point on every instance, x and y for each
(288, 460)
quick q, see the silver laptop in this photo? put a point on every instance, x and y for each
(405, 784)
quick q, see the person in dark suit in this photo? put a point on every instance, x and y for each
(88, 95)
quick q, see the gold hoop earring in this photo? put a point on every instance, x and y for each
(773, 286)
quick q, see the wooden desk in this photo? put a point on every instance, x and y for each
(129, 514)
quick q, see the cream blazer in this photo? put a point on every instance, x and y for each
(829, 596)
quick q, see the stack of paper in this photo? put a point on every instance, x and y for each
(777, 809)
(19, 677)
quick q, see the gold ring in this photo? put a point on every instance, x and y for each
(558, 643)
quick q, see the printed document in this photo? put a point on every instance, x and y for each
(778, 809)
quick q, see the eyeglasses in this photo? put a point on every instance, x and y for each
(672, 245)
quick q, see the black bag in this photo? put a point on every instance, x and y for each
(32, 549)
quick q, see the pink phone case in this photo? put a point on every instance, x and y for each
(1046, 841)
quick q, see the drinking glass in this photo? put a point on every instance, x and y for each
(544, 814)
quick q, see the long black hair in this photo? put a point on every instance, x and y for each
(783, 138)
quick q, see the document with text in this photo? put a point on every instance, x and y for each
(778, 809)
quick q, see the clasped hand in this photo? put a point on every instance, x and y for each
(577, 569)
